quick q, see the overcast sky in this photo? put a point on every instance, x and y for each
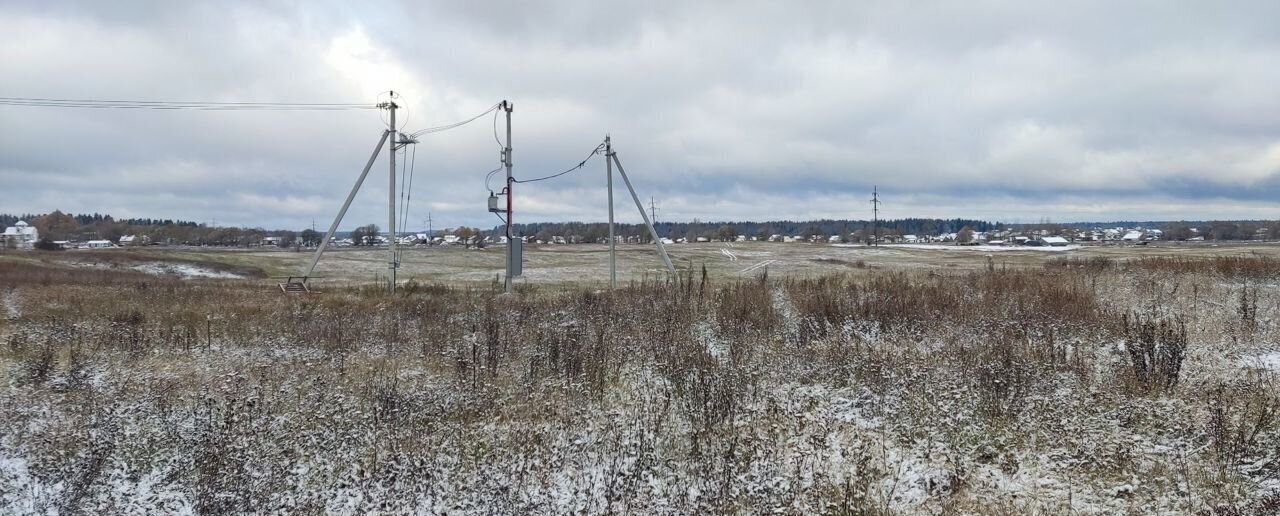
(1013, 111)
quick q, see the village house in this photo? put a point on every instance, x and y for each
(21, 236)
(97, 244)
(132, 240)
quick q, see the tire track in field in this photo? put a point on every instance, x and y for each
(764, 263)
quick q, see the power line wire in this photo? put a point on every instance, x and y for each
(32, 99)
(177, 105)
(406, 195)
(495, 129)
(455, 124)
(580, 164)
(488, 176)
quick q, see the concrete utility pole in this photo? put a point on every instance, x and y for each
(391, 198)
(875, 215)
(514, 250)
(613, 241)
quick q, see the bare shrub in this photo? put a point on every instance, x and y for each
(1155, 349)
(1247, 308)
(38, 365)
(1240, 413)
(127, 332)
(745, 317)
(1268, 504)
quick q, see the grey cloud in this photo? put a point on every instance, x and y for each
(755, 110)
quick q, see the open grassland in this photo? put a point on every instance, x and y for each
(588, 265)
(842, 380)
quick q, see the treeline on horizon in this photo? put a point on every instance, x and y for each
(56, 225)
(81, 227)
(596, 231)
(85, 219)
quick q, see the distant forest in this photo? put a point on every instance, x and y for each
(85, 219)
(57, 226)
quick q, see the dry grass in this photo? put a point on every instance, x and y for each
(882, 393)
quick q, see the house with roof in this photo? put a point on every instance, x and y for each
(136, 240)
(97, 244)
(21, 236)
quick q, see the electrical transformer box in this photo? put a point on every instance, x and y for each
(515, 253)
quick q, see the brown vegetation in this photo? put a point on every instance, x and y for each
(882, 393)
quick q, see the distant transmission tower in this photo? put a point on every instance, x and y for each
(875, 215)
(653, 210)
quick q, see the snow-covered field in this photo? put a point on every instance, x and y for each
(895, 392)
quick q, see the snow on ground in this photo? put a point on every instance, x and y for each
(983, 248)
(1268, 361)
(12, 310)
(706, 333)
(183, 270)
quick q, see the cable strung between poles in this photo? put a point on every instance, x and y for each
(179, 105)
(406, 195)
(455, 124)
(580, 164)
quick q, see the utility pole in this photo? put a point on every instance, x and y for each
(875, 215)
(512, 246)
(431, 234)
(613, 241)
(391, 197)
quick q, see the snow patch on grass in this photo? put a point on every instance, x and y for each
(1269, 361)
(12, 306)
(184, 271)
(983, 248)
